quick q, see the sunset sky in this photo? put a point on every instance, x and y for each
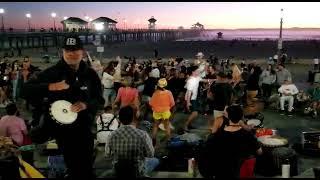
(213, 15)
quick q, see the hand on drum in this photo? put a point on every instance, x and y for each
(58, 86)
(78, 106)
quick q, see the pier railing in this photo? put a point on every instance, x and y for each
(38, 39)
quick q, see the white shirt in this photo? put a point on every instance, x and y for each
(155, 73)
(193, 85)
(107, 80)
(102, 136)
(290, 88)
(316, 61)
(117, 72)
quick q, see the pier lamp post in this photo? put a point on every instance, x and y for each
(54, 15)
(280, 36)
(87, 18)
(28, 15)
(2, 24)
(90, 23)
(125, 24)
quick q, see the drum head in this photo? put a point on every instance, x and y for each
(61, 112)
(272, 141)
(255, 122)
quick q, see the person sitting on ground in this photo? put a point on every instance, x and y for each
(107, 122)
(222, 121)
(287, 90)
(130, 148)
(161, 102)
(314, 92)
(231, 146)
(11, 125)
(302, 98)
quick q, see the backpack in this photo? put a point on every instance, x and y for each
(105, 130)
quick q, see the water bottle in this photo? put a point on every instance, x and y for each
(286, 169)
(192, 171)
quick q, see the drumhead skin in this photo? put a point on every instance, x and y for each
(255, 122)
(272, 141)
(61, 112)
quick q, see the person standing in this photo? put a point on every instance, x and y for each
(191, 96)
(161, 102)
(282, 75)
(71, 79)
(107, 82)
(267, 79)
(117, 74)
(315, 64)
(222, 93)
(253, 86)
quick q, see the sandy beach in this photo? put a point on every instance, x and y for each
(300, 51)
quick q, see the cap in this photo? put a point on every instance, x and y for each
(162, 82)
(72, 43)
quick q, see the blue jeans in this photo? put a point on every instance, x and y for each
(150, 164)
(109, 94)
(14, 89)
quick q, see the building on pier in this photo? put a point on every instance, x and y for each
(106, 23)
(152, 23)
(197, 26)
(74, 24)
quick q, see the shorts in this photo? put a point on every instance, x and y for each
(161, 115)
(194, 106)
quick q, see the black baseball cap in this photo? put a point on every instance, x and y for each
(72, 43)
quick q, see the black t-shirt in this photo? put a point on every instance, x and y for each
(173, 85)
(229, 149)
(253, 82)
(150, 86)
(222, 93)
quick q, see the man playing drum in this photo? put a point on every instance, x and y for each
(73, 81)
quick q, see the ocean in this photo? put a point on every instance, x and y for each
(259, 34)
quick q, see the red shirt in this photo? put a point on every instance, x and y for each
(127, 95)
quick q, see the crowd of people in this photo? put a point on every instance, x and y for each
(121, 95)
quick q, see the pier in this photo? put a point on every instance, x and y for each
(25, 40)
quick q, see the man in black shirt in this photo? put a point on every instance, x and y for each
(222, 94)
(72, 80)
(230, 147)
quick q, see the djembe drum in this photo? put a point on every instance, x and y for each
(61, 113)
(265, 163)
